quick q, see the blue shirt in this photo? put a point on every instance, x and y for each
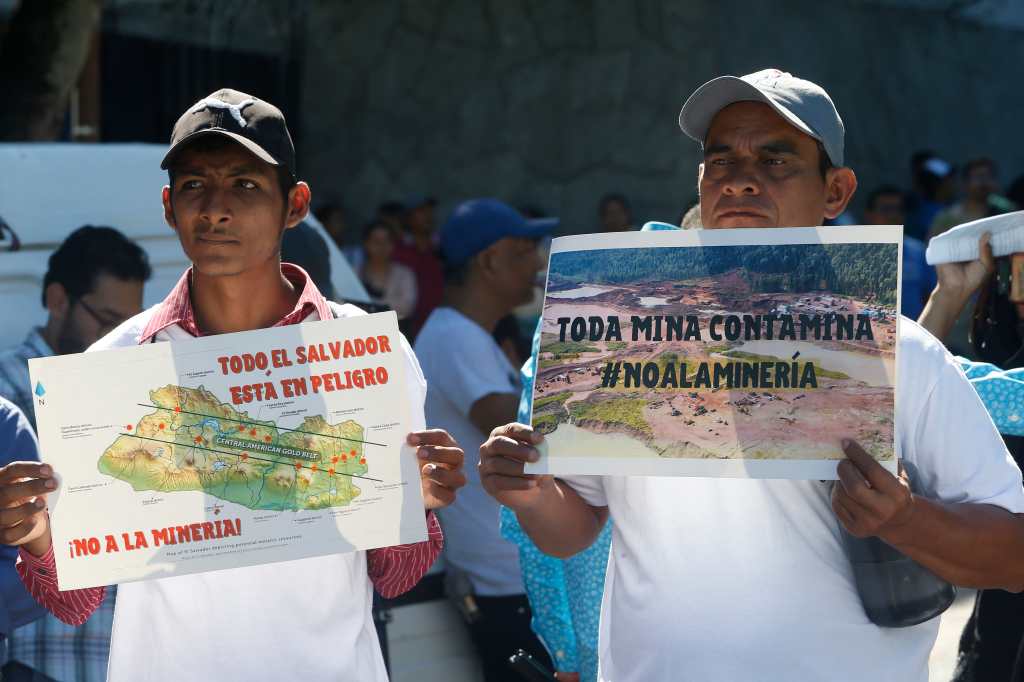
(17, 442)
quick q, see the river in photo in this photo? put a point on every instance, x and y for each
(578, 292)
(871, 369)
(572, 441)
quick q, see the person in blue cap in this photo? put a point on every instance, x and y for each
(491, 262)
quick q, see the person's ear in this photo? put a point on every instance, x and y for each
(165, 197)
(840, 184)
(298, 199)
(57, 302)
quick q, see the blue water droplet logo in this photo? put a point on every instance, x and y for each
(40, 391)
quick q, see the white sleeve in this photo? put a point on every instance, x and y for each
(590, 488)
(417, 386)
(956, 453)
(471, 371)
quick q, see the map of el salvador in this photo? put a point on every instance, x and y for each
(193, 441)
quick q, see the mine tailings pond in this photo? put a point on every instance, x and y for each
(873, 370)
(570, 440)
(579, 292)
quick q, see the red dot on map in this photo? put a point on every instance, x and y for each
(241, 428)
(330, 471)
(198, 439)
(161, 426)
(313, 468)
(352, 453)
(245, 456)
(362, 460)
(128, 427)
(298, 465)
(177, 408)
(266, 438)
(252, 432)
(344, 458)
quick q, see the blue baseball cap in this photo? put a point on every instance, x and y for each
(476, 224)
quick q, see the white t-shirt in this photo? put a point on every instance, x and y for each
(726, 579)
(462, 364)
(307, 619)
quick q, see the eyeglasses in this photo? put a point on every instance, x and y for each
(106, 322)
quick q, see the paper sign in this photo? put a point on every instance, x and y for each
(746, 353)
(229, 450)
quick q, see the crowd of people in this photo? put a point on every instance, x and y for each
(640, 578)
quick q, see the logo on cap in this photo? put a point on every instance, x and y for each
(235, 109)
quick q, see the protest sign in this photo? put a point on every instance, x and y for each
(748, 352)
(229, 450)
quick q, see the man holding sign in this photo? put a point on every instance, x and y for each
(232, 194)
(729, 579)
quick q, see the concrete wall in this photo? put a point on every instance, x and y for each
(554, 103)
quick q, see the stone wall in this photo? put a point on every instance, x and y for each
(555, 103)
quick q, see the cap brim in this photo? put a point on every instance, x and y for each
(249, 145)
(540, 227)
(700, 109)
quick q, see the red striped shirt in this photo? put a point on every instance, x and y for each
(393, 570)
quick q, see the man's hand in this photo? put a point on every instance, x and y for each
(441, 472)
(502, 459)
(23, 519)
(868, 499)
(961, 280)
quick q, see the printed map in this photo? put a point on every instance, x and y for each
(194, 441)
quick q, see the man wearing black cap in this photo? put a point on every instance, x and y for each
(232, 193)
(743, 579)
(491, 259)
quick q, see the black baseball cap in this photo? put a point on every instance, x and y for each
(256, 125)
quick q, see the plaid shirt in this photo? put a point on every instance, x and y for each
(65, 653)
(14, 381)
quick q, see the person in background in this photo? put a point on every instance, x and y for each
(332, 217)
(417, 250)
(388, 283)
(303, 246)
(980, 198)
(992, 643)
(93, 283)
(17, 607)
(886, 206)
(933, 190)
(392, 213)
(615, 213)
(491, 260)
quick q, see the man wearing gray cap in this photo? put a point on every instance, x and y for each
(740, 579)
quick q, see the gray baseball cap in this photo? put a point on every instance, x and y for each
(802, 103)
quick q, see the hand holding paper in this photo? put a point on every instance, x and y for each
(23, 520)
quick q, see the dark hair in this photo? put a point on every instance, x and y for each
(614, 197)
(91, 251)
(879, 192)
(373, 226)
(325, 211)
(824, 161)
(209, 144)
(980, 162)
(1016, 192)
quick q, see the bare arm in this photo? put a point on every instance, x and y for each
(555, 517)
(493, 410)
(957, 283)
(974, 545)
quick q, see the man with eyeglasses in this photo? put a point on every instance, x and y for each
(93, 283)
